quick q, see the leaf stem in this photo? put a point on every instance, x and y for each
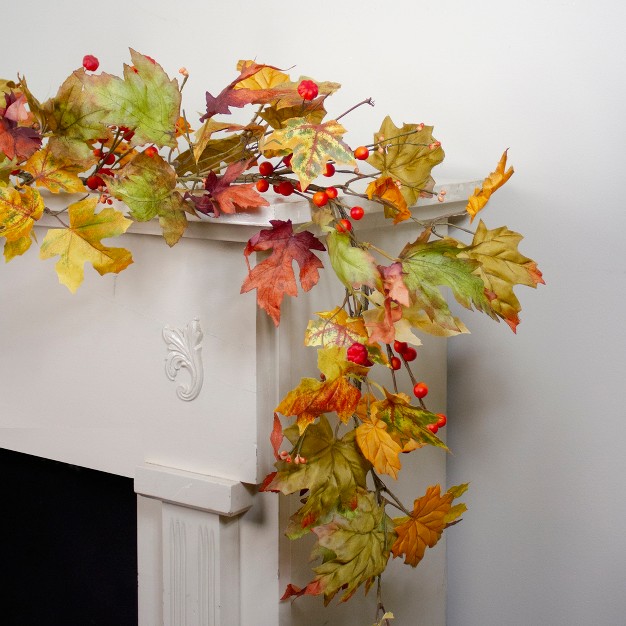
(356, 106)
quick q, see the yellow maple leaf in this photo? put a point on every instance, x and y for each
(424, 527)
(80, 243)
(495, 180)
(266, 78)
(53, 173)
(386, 189)
(378, 447)
(19, 210)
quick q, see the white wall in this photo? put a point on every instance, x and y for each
(536, 420)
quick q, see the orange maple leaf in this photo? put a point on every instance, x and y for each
(311, 398)
(495, 180)
(424, 526)
(274, 277)
(386, 189)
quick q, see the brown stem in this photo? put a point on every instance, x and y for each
(356, 106)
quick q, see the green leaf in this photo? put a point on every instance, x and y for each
(361, 544)
(354, 266)
(430, 264)
(333, 472)
(312, 145)
(145, 100)
(406, 157)
(502, 267)
(72, 114)
(147, 186)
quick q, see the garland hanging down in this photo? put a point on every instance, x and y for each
(336, 435)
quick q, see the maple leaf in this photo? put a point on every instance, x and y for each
(494, 181)
(424, 527)
(276, 438)
(312, 397)
(335, 328)
(19, 210)
(274, 277)
(393, 283)
(405, 422)
(407, 157)
(333, 473)
(227, 197)
(203, 140)
(146, 100)
(16, 109)
(237, 95)
(81, 243)
(355, 550)
(147, 185)
(378, 446)
(353, 266)
(312, 145)
(427, 265)
(430, 313)
(386, 189)
(71, 113)
(277, 116)
(16, 141)
(381, 321)
(53, 173)
(501, 268)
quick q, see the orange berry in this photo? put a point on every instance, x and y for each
(361, 153)
(320, 198)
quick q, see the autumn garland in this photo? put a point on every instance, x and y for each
(124, 137)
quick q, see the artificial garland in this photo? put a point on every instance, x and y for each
(127, 138)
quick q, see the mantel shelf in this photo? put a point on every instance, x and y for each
(242, 225)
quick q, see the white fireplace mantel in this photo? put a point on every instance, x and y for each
(84, 382)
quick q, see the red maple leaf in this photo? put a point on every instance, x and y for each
(231, 97)
(224, 196)
(274, 277)
(16, 141)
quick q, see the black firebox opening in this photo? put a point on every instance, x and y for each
(68, 549)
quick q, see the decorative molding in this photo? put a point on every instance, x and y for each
(178, 572)
(185, 346)
(207, 579)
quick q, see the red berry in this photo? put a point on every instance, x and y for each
(329, 170)
(320, 198)
(400, 346)
(94, 181)
(344, 226)
(276, 188)
(298, 186)
(420, 390)
(110, 159)
(285, 188)
(262, 185)
(307, 90)
(396, 363)
(410, 354)
(151, 151)
(266, 168)
(97, 152)
(287, 160)
(361, 153)
(357, 353)
(128, 135)
(357, 212)
(90, 63)
(332, 192)
(433, 428)
(442, 421)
